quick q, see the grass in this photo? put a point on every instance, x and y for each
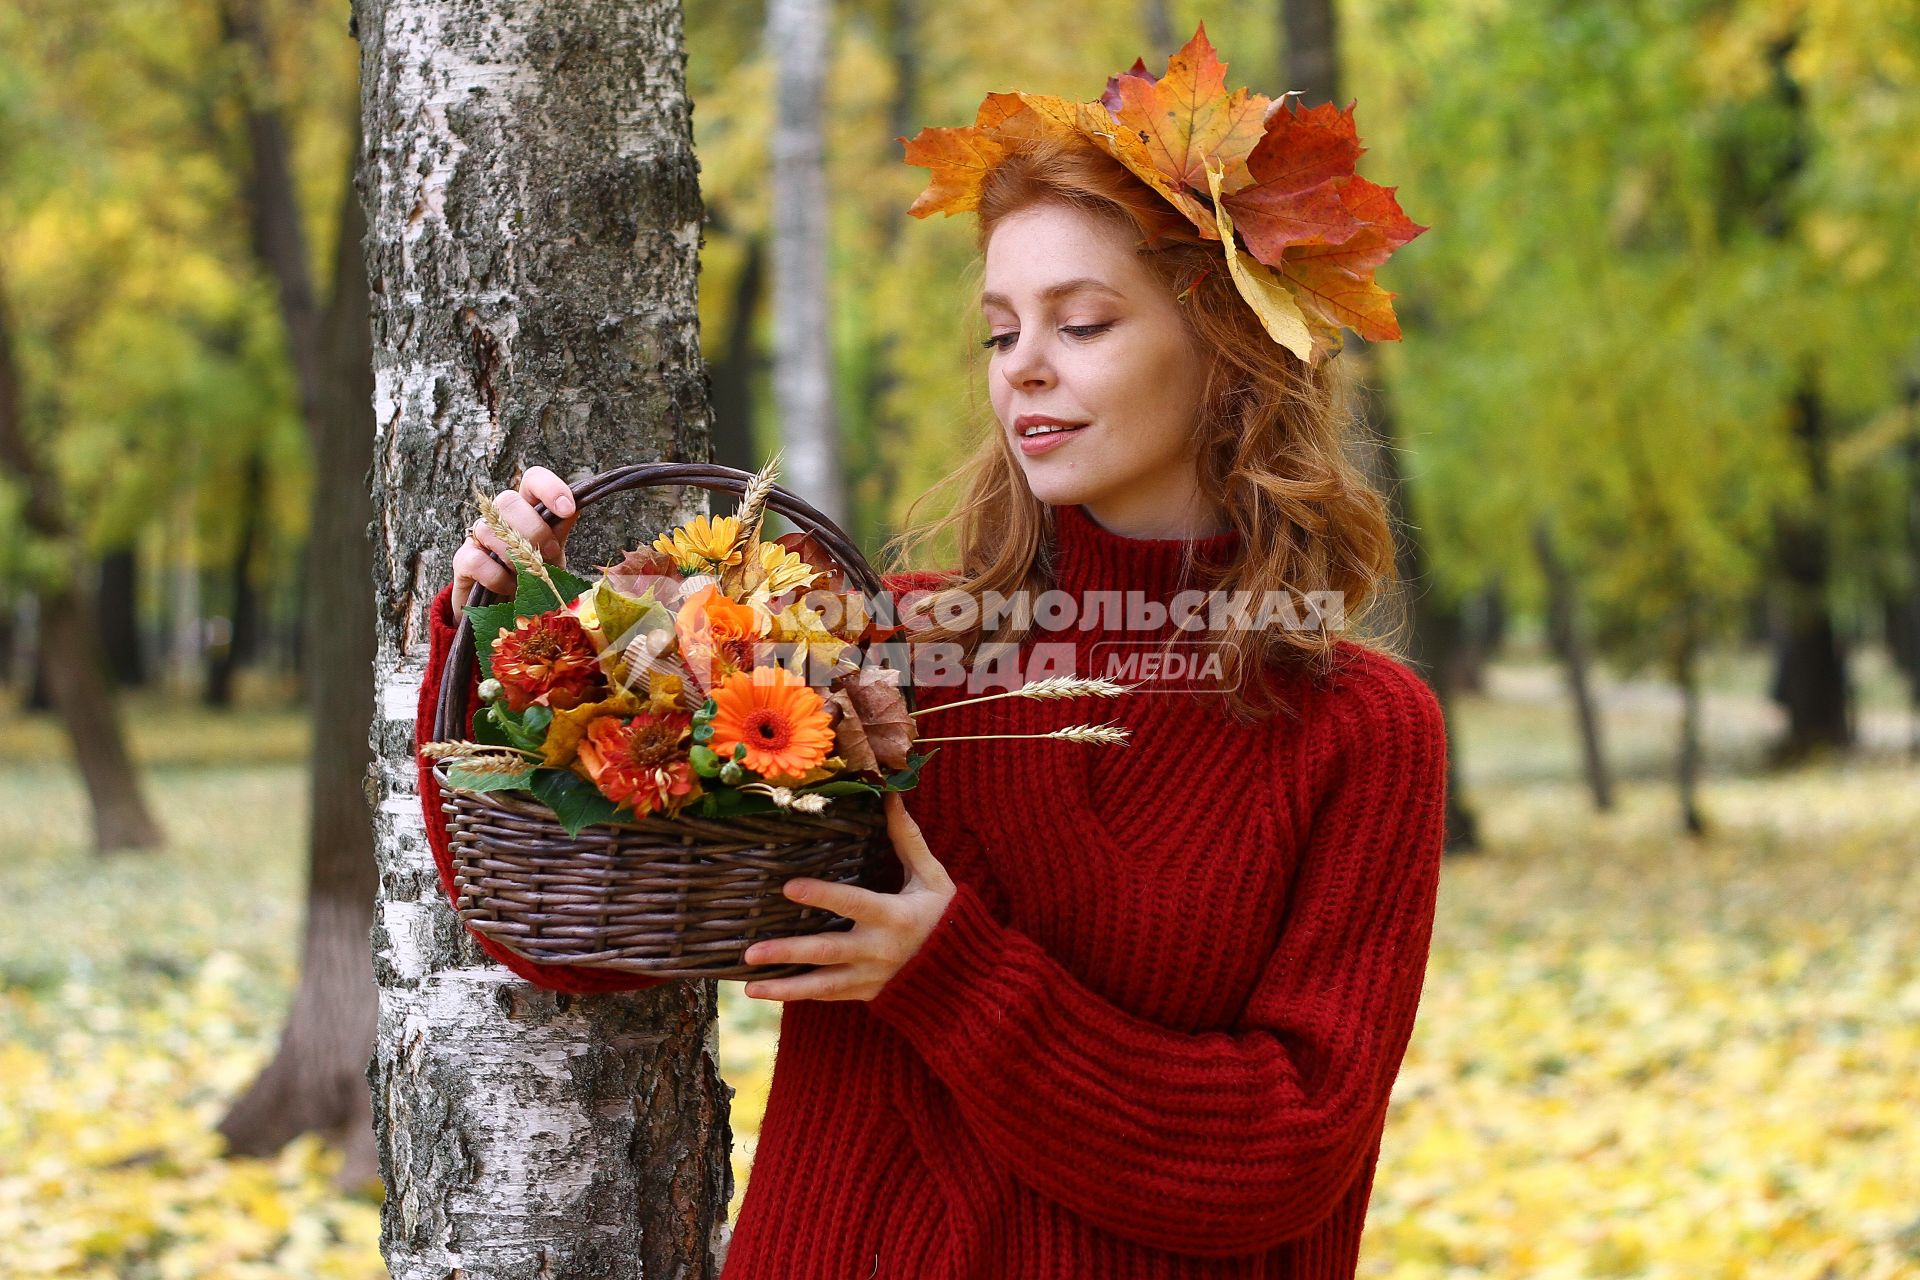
(1637, 1055)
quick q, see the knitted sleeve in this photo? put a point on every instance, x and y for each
(1224, 1142)
(571, 979)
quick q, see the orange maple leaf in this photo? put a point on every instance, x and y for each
(1186, 118)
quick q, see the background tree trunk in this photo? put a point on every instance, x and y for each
(1563, 633)
(1810, 675)
(316, 1080)
(733, 375)
(119, 596)
(1688, 760)
(1903, 608)
(800, 35)
(243, 600)
(1157, 20)
(67, 639)
(875, 470)
(535, 224)
(1310, 47)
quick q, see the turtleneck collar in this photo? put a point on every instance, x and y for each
(1090, 557)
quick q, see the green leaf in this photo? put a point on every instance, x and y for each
(705, 762)
(726, 803)
(531, 596)
(906, 779)
(486, 729)
(526, 729)
(623, 617)
(841, 787)
(575, 801)
(468, 779)
(488, 620)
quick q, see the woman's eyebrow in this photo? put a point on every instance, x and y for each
(1053, 291)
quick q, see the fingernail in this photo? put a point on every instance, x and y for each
(564, 504)
(753, 989)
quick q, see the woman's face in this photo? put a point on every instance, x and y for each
(1082, 332)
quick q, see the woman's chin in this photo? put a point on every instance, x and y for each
(1053, 485)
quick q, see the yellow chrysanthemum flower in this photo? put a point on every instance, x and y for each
(780, 570)
(703, 542)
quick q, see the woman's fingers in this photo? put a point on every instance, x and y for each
(911, 846)
(841, 982)
(529, 524)
(472, 564)
(847, 900)
(819, 948)
(541, 485)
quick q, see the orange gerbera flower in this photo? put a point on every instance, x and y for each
(547, 659)
(640, 760)
(779, 717)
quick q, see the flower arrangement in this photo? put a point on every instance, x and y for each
(678, 681)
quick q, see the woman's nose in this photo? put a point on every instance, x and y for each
(1027, 363)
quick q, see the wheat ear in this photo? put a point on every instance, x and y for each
(1098, 734)
(1051, 687)
(753, 501)
(475, 751)
(526, 557)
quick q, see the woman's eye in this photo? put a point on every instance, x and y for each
(1002, 341)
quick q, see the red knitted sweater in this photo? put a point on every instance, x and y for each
(1156, 1031)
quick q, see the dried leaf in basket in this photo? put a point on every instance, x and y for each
(875, 729)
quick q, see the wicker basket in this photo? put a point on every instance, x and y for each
(669, 897)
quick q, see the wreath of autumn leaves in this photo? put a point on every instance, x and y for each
(1311, 230)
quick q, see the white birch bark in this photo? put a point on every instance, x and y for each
(800, 35)
(534, 226)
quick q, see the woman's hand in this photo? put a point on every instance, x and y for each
(472, 564)
(887, 932)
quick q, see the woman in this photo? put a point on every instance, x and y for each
(1131, 1010)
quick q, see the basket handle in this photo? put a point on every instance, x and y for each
(650, 475)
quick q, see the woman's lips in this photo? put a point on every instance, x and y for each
(1032, 445)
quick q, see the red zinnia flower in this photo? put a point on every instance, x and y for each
(640, 760)
(546, 659)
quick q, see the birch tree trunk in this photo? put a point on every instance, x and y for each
(799, 33)
(534, 226)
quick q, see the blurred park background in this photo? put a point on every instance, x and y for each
(1653, 436)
